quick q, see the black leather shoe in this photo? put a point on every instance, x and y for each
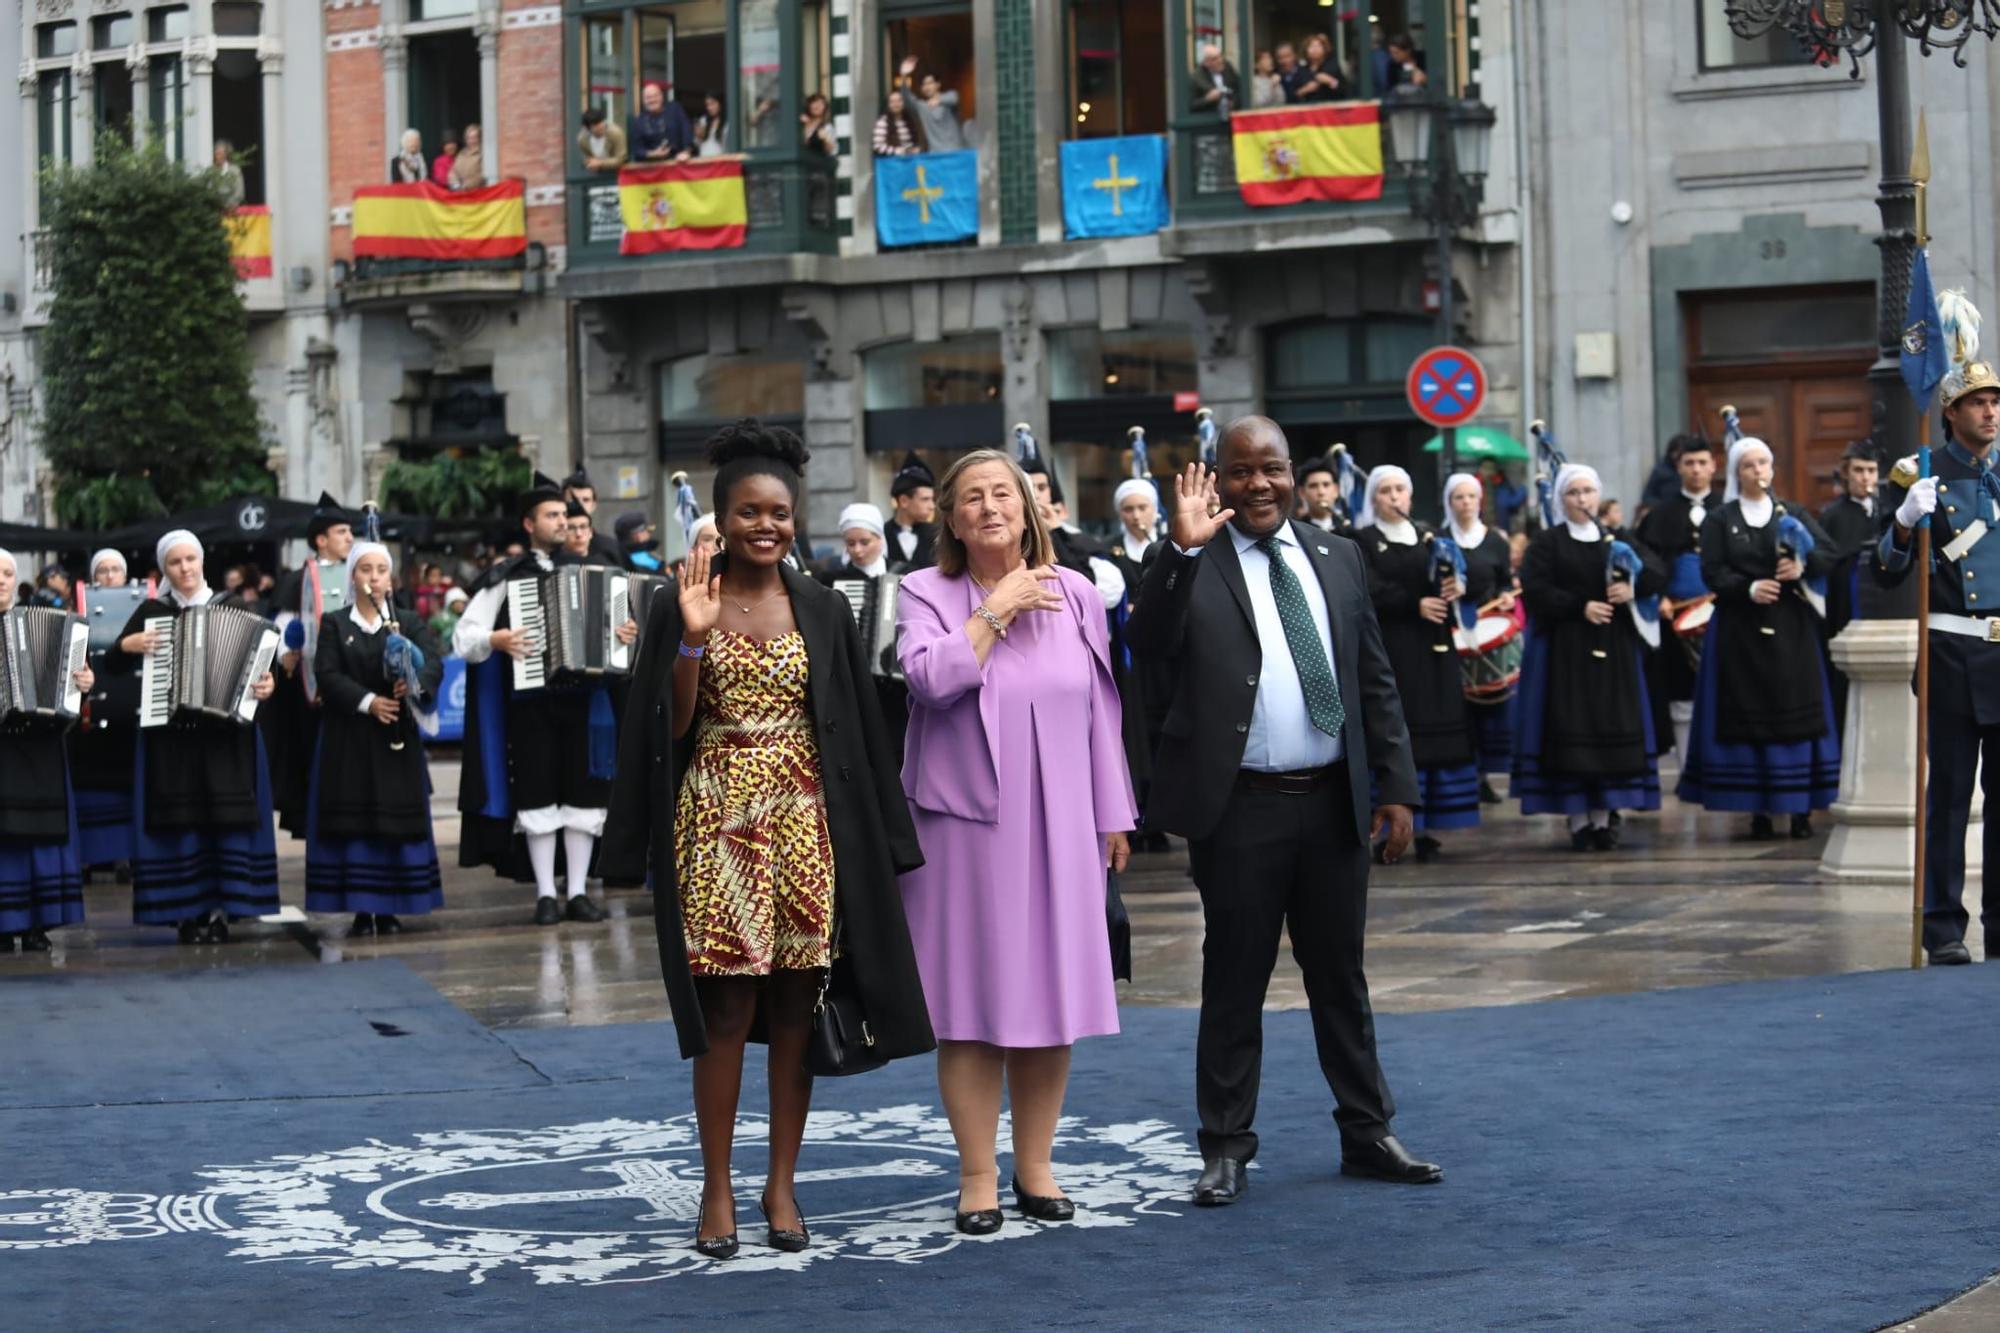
(714, 1247)
(1427, 850)
(979, 1222)
(791, 1242)
(35, 941)
(1580, 840)
(1950, 955)
(1386, 1159)
(581, 908)
(364, 924)
(1605, 839)
(1043, 1207)
(387, 925)
(1223, 1180)
(217, 930)
(1801, 826)
(1487, 796)
(547, 910)
(1760, 828)
(192, 931)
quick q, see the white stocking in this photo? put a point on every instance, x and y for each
(542, 856)
(576, 854)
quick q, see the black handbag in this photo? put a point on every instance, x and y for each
(1118, 925)
(841, 1043)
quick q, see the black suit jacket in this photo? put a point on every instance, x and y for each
(1194, 612)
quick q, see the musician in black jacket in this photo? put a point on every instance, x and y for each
(369, 848)
(41, 876)
(203, 852)
(290, 721)
(912, 529)
(556, 745)
(1671, 530)
(1854, 523)
(602, 550)
(103, 746)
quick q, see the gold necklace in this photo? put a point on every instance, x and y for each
(746, 610)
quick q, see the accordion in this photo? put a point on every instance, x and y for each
(873, 602)
(41, 650)
(207, 662)
(108, 611)
(640, 590)
(573, 615)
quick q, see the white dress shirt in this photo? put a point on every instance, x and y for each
(1282, 736)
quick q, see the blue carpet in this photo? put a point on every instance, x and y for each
(1811, 1154)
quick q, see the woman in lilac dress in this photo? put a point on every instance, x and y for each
(1015, 769)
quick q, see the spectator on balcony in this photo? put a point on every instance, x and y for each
(1216, 85)
(468, 171)
(408, 167)
(1291, 74)
(1266, 87)
(447, 155)
(816, 126)
(232, 175)
(600, 143)
(1320, 81)
(711, 129)
(661, 131)
(1406, 63)
(898, 132)
(936, 108)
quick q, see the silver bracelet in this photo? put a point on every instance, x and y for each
(992, 621)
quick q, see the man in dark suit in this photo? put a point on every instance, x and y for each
(1855, 524)
(1284, 708)
(1215, 86)
(911, 534)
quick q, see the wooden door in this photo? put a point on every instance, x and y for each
(1764, 408)
(1827, 415)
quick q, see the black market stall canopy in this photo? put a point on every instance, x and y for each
(247, 520)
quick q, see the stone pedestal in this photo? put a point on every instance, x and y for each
(1875, 817)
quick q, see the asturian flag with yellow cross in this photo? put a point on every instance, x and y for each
(1114, 187)
(926, 198)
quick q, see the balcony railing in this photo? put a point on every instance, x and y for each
(42, 256)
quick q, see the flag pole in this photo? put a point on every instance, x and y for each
(1920, 173)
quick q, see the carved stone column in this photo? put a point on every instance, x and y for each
(487, 30)
(82, 108)
(396, 89)
(142, 95)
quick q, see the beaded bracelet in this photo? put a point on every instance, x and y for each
(686, 651)
(992, 620)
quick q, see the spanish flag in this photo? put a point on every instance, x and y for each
(682, 206)
(426, 221)
(1290, 154)
(249, 230)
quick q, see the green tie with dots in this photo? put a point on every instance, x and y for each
(1302, 637)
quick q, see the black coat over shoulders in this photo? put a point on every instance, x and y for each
(1768, 658)
(868, 817)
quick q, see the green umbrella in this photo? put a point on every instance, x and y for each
(1483, 442)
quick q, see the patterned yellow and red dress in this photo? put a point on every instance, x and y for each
(750, 834)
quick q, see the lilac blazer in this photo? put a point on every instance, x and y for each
(948, 764)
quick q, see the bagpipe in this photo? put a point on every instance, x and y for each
(686, 507)
(401, 658)
(1350, 482)
(1142, 470)
(1549, 461)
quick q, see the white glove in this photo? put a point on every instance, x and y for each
(1918, 503)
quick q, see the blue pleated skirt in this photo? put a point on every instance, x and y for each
(373, 875)
(1448, 798)
(104, 825)
(181, 874)
(41, 883)
(1780, 778)
(1545, 792)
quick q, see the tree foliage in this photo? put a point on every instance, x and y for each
(146, 357)
(480, 484)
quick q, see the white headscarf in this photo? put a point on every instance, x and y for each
(182, 537)
(107, 554)
(1737, 451)
(354, 554)
(1130, 487)
(701, 521)
(1572, 472)
(1465, 537)
(1376, 476)
(862, 515)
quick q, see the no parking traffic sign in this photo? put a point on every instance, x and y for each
(1447, 386)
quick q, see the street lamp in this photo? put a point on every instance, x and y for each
(1441, 146)
(1829, 29)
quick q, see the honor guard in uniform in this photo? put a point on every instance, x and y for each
(1671, 530)
(1962, 498)
(1854, 524)
(290, 720)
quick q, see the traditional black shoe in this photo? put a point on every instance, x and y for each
(1760, 828)
(1043, 1207)
(547, 910)
(193, 930)
(581, 908)
(978, 1222)
(1605, 839)
(122, 874)
(1580, 839)
(714, 1247)
(387, 925)
(1427, 850)
(6, 944)
(791, 1242)
(35, 941)
(1487, 796)
(1386, 1159)
(1950, 955)
(364, 924)
(1801, 826)
(1223, 1180)
(218, 930)
(1617, 820)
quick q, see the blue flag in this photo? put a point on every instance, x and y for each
(1924, 354)
(926, 198)
(1114, 187)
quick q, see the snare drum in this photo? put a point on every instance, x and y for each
(1690, 624)
(1489, 658)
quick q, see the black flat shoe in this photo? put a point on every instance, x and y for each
(1427, 850)
(364, 924)
(1760, 828)
(217, 930)
(1954, 954)
(387, 925)
(715, 1247)
(547, 910)
(791, 1242)
(1801, 826)
(1387, 1160)
(192, 931)
(1223, 1180)
(979, 1222)
(1042, 1207)
(581, 908)
(1604, 839)
(35, 941)
(1487, 796)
